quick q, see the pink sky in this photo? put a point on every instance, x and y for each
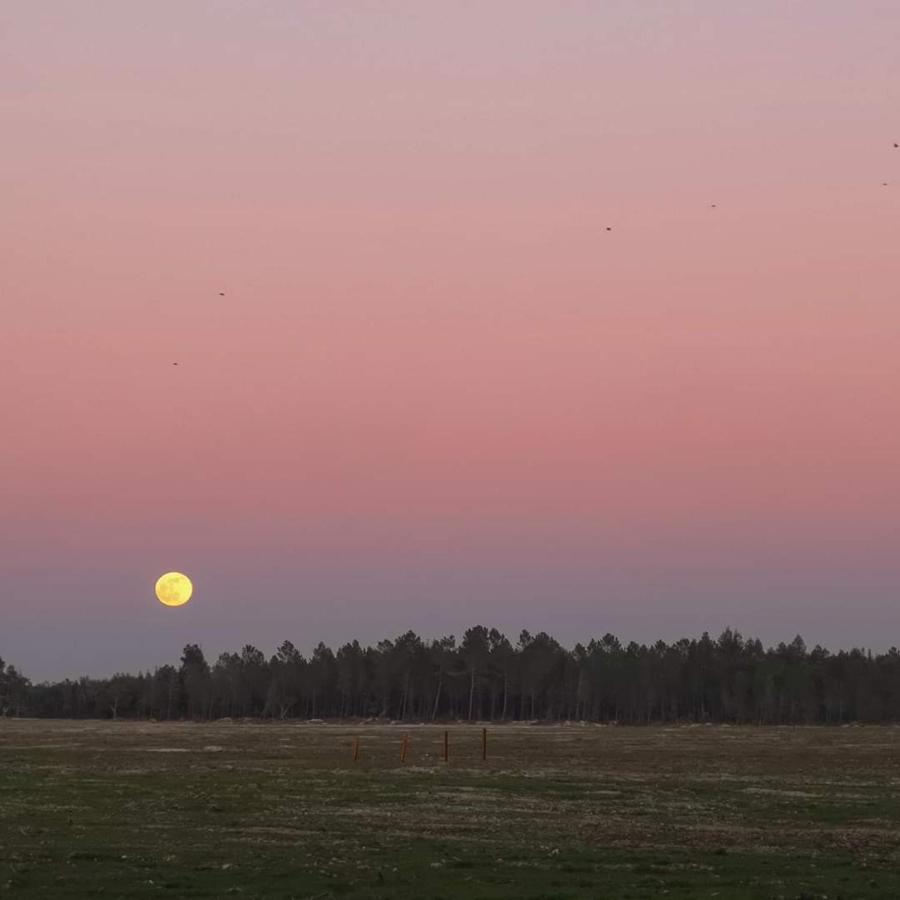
(438, 391)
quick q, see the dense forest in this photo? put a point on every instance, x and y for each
(487, 677)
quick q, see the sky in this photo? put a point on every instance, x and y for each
(573, 316)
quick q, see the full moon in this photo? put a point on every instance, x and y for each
(174, 589)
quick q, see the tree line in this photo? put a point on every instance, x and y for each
(485, 676)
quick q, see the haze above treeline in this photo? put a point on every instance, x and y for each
(486, 676)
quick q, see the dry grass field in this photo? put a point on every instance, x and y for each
(124, 809)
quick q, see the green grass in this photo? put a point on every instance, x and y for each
(123, 809)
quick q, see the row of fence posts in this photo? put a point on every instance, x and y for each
(404, 747)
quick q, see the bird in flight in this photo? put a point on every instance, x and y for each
(221, 293)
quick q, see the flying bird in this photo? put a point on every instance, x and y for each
(221, 293)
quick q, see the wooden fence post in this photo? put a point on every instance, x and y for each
(404, 746)
(484, 744)
(446, 745)
(356, 749)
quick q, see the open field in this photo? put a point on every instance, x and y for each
(122, 809)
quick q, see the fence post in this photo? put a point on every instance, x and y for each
(404, 746)
(446, 745)
(484, 744)
(356, 749)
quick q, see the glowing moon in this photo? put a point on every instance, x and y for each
(174, 589)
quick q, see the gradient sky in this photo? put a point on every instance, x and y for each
(438, 391)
